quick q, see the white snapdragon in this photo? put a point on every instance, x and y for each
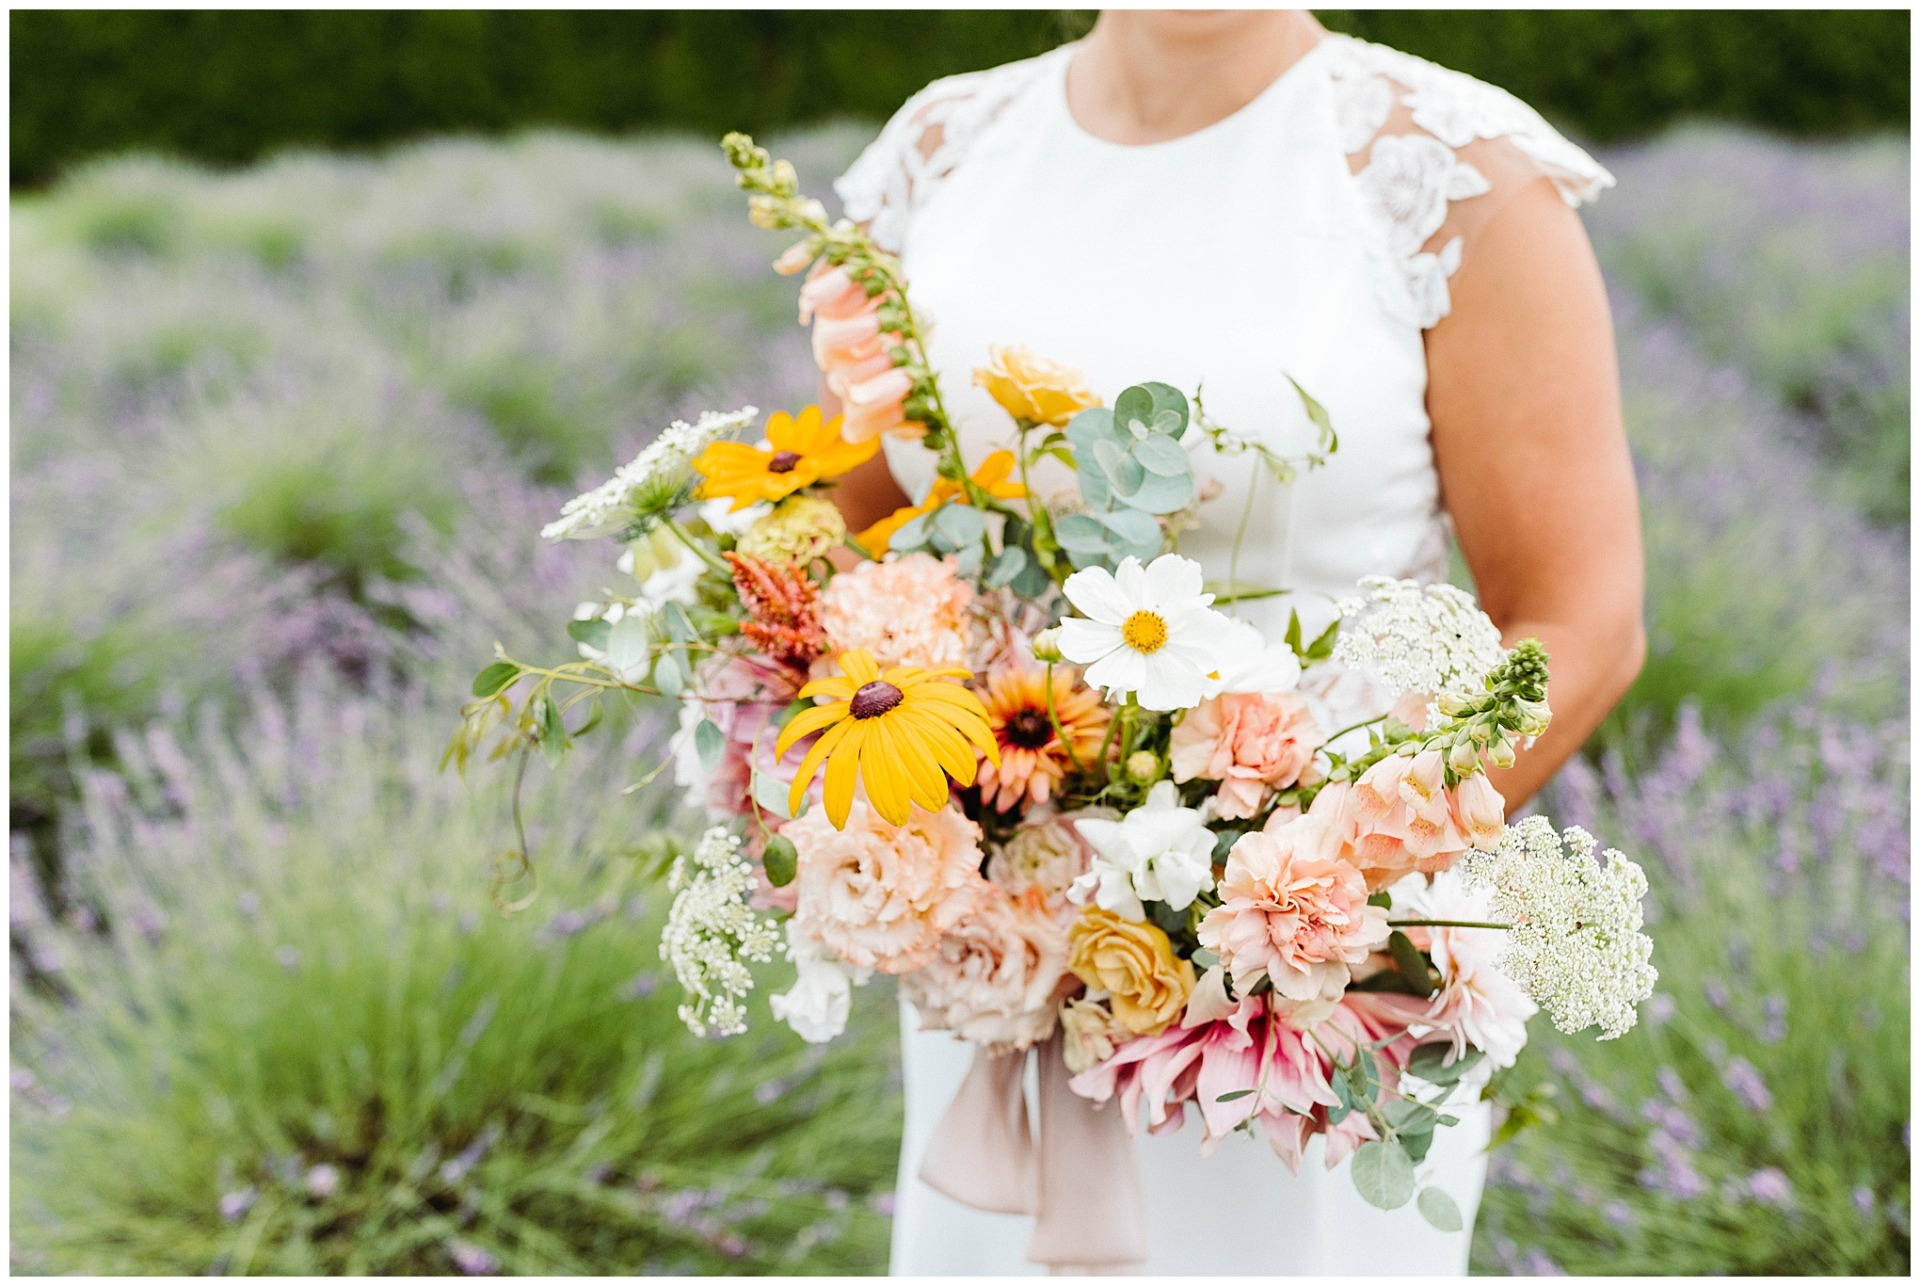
(712, 933)
(650, 483)
(817, 1004)
(1159, 852)
(1575, 944)
(1418, 638)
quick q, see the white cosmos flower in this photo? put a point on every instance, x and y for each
(1146, 630)
(1159, 852)
(1250, 664)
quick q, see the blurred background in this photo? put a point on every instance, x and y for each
(318, 316)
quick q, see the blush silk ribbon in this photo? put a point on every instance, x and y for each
(1081, 1184)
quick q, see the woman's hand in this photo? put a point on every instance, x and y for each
(1524, 395)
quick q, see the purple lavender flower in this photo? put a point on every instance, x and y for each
(1743, 1079)
(1770, 1187)
(322, 1181)
(235, 1205)
(471, 1260)
(1864, 1202)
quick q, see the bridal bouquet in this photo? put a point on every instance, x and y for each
(1023, 758)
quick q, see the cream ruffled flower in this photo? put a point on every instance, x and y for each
(910, 611)
(996, 978)
(1147, 630)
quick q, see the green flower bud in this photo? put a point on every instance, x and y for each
(1046, 646)
(1144, 767)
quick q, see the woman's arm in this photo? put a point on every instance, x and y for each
(867, 493)
(1524, 395)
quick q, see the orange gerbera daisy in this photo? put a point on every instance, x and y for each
(902, 733)
(994, 476)
(1033, 758)
(800, 451)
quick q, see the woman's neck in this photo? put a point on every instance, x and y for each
(1143, 76)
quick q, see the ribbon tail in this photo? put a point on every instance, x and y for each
(981, 1154)
(1093, 1207)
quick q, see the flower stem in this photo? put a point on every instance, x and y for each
(687, 539)
(1447, 924)
(1355, 727)
(1060, 734)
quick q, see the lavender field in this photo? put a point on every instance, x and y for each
(282, 440)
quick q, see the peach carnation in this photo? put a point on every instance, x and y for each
(1292, 910)
(910, 611)
(1250, 743)
(996, 977)
(880, 896)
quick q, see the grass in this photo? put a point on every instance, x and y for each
(289, 1034)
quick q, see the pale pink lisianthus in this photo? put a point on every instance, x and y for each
(879, 896)
(1294, 911)
(997, 976)
(911, 610)
(1249, 742)
(1045, 855)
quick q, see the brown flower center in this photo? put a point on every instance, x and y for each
(783, 462)
(874, 699)
(1030, 729)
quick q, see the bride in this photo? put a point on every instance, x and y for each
(1227, 200)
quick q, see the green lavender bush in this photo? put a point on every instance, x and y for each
(1757, 1121)
(284, 1030)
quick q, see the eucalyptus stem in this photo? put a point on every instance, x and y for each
(1355, 727)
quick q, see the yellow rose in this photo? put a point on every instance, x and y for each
(1033, 388)
(1133, 962)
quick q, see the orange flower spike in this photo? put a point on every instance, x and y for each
(801, 450)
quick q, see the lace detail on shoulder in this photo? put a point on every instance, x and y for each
(926, 140)
(1421, 140)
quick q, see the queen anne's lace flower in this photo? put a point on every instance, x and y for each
(1418, 638)
(1575, 942)
(711, 933)
(650, 484)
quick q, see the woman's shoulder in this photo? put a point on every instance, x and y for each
(1380, 91)
(1436, 154)
(929, 136)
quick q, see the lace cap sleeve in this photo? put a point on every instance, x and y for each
(1436, 155)
(931, 134)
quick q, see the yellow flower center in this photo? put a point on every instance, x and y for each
(1144, 631)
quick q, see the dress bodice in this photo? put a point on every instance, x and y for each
(1310, 236)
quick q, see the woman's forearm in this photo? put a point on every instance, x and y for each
(1592, 666)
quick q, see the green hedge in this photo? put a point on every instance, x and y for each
(228, 86)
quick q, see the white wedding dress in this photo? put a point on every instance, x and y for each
(1309, 235)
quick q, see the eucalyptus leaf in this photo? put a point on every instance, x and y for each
(709, 743)
(1081, 533)
(1162, 495)
(1005, 567)
(1133, 527)
(967, 561)
(912, 534)
(591, 632)
(1409, 963)
(958, 525)
(1124, 473)
(771, 794)
(1438, 1209)
(669, 674)
(1134, 406)
(1160, 454)
(1383, 1172)
(678, 627)
(628, 643)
